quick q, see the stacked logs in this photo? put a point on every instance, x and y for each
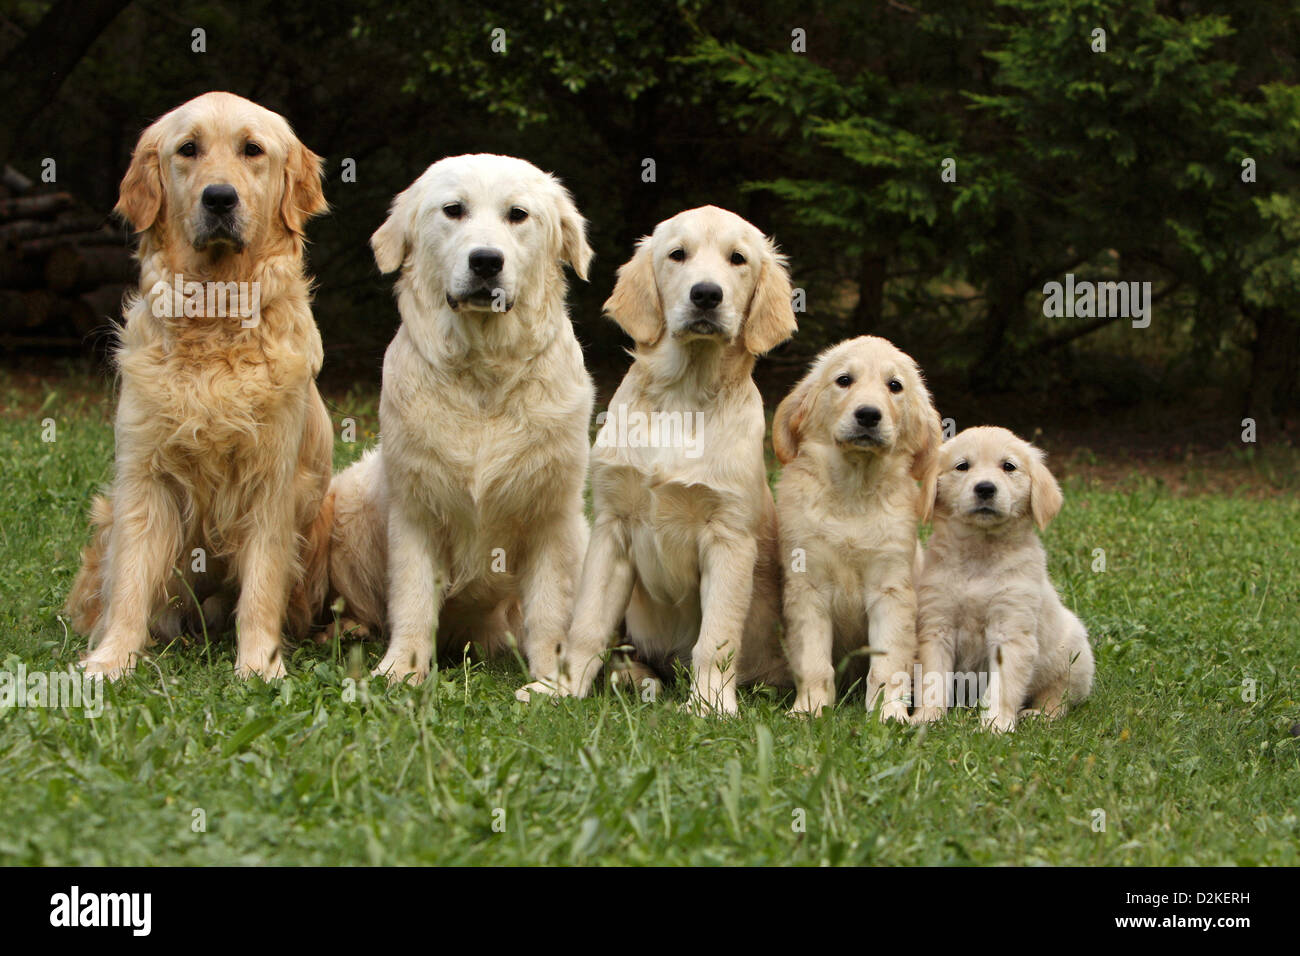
(63, 268)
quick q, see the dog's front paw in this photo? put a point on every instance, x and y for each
(269, 666)
(893, 710)
(108, 664)
(722, 704)
(401, 666)
(546, 688)
(928, 715)
(998, 723)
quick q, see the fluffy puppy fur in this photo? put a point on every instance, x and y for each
(222, 440)
(986, 602)
(855, 436)
(471, 507)
(683, 546)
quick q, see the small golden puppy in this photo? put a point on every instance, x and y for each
(855, 436)
(223, 442)
(684, 543)
(986, 603)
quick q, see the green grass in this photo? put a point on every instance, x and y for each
(1199, 594)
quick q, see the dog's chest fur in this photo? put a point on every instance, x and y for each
(210, 396)
(483, 450)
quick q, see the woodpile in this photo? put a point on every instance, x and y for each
(63, 268)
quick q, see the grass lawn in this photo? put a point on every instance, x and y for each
(1199, 595)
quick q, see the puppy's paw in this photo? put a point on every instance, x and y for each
(402, 667)
(806, 709)
(893, 710)
(108, 664)
(716, 705)
(268, 665)
(998, 723)
(543, 688)
(928, 715)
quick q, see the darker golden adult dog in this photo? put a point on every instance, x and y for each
(223, 444)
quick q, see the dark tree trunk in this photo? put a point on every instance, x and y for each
(36, 68)
(1274, 366)
(870, 310)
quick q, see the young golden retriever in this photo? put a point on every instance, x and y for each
(683, 547)
(223, 443)
(986, 603)
(855, 436)
(471, 507)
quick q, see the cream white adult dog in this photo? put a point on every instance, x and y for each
(855, 436)
(223, 443)
(987, 605)
(471, 510)
(683, 543)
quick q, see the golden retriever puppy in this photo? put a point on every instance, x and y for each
(683, 546)
(223, 443)
(471, 507)
(855, 436)
(986, 603)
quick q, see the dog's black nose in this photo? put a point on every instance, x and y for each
(868, 416)
(985, 490)
(485, 263)
(706, 295)
(220, 198)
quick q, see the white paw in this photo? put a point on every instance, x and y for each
(712, 705)
(998, 723)
(268, 665)
(400, 666)
(893, 710)
(545, 688)
(108, 664)
(928, 715)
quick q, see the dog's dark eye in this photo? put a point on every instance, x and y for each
(963, 466)
(737, 259)
(252, 149)
(188, 149)
(517, 214)
(677, 255)
(454, 210)
(895, 386)
(1008, 466)
(844, 381)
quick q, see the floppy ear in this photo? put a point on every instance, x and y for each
(389, 242)
(927, 432)
(771, 315)
(141, 198)
(303, 196)
(1045, 497)
(925, 465)
(573, 235)
(788, 420)
(634, 303)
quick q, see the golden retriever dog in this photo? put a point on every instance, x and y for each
(223, 443)
(470, 511)
(986, 603)
(683, 545)
(855, 436)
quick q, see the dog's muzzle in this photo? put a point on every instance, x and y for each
(480, 297)
(219, 219)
